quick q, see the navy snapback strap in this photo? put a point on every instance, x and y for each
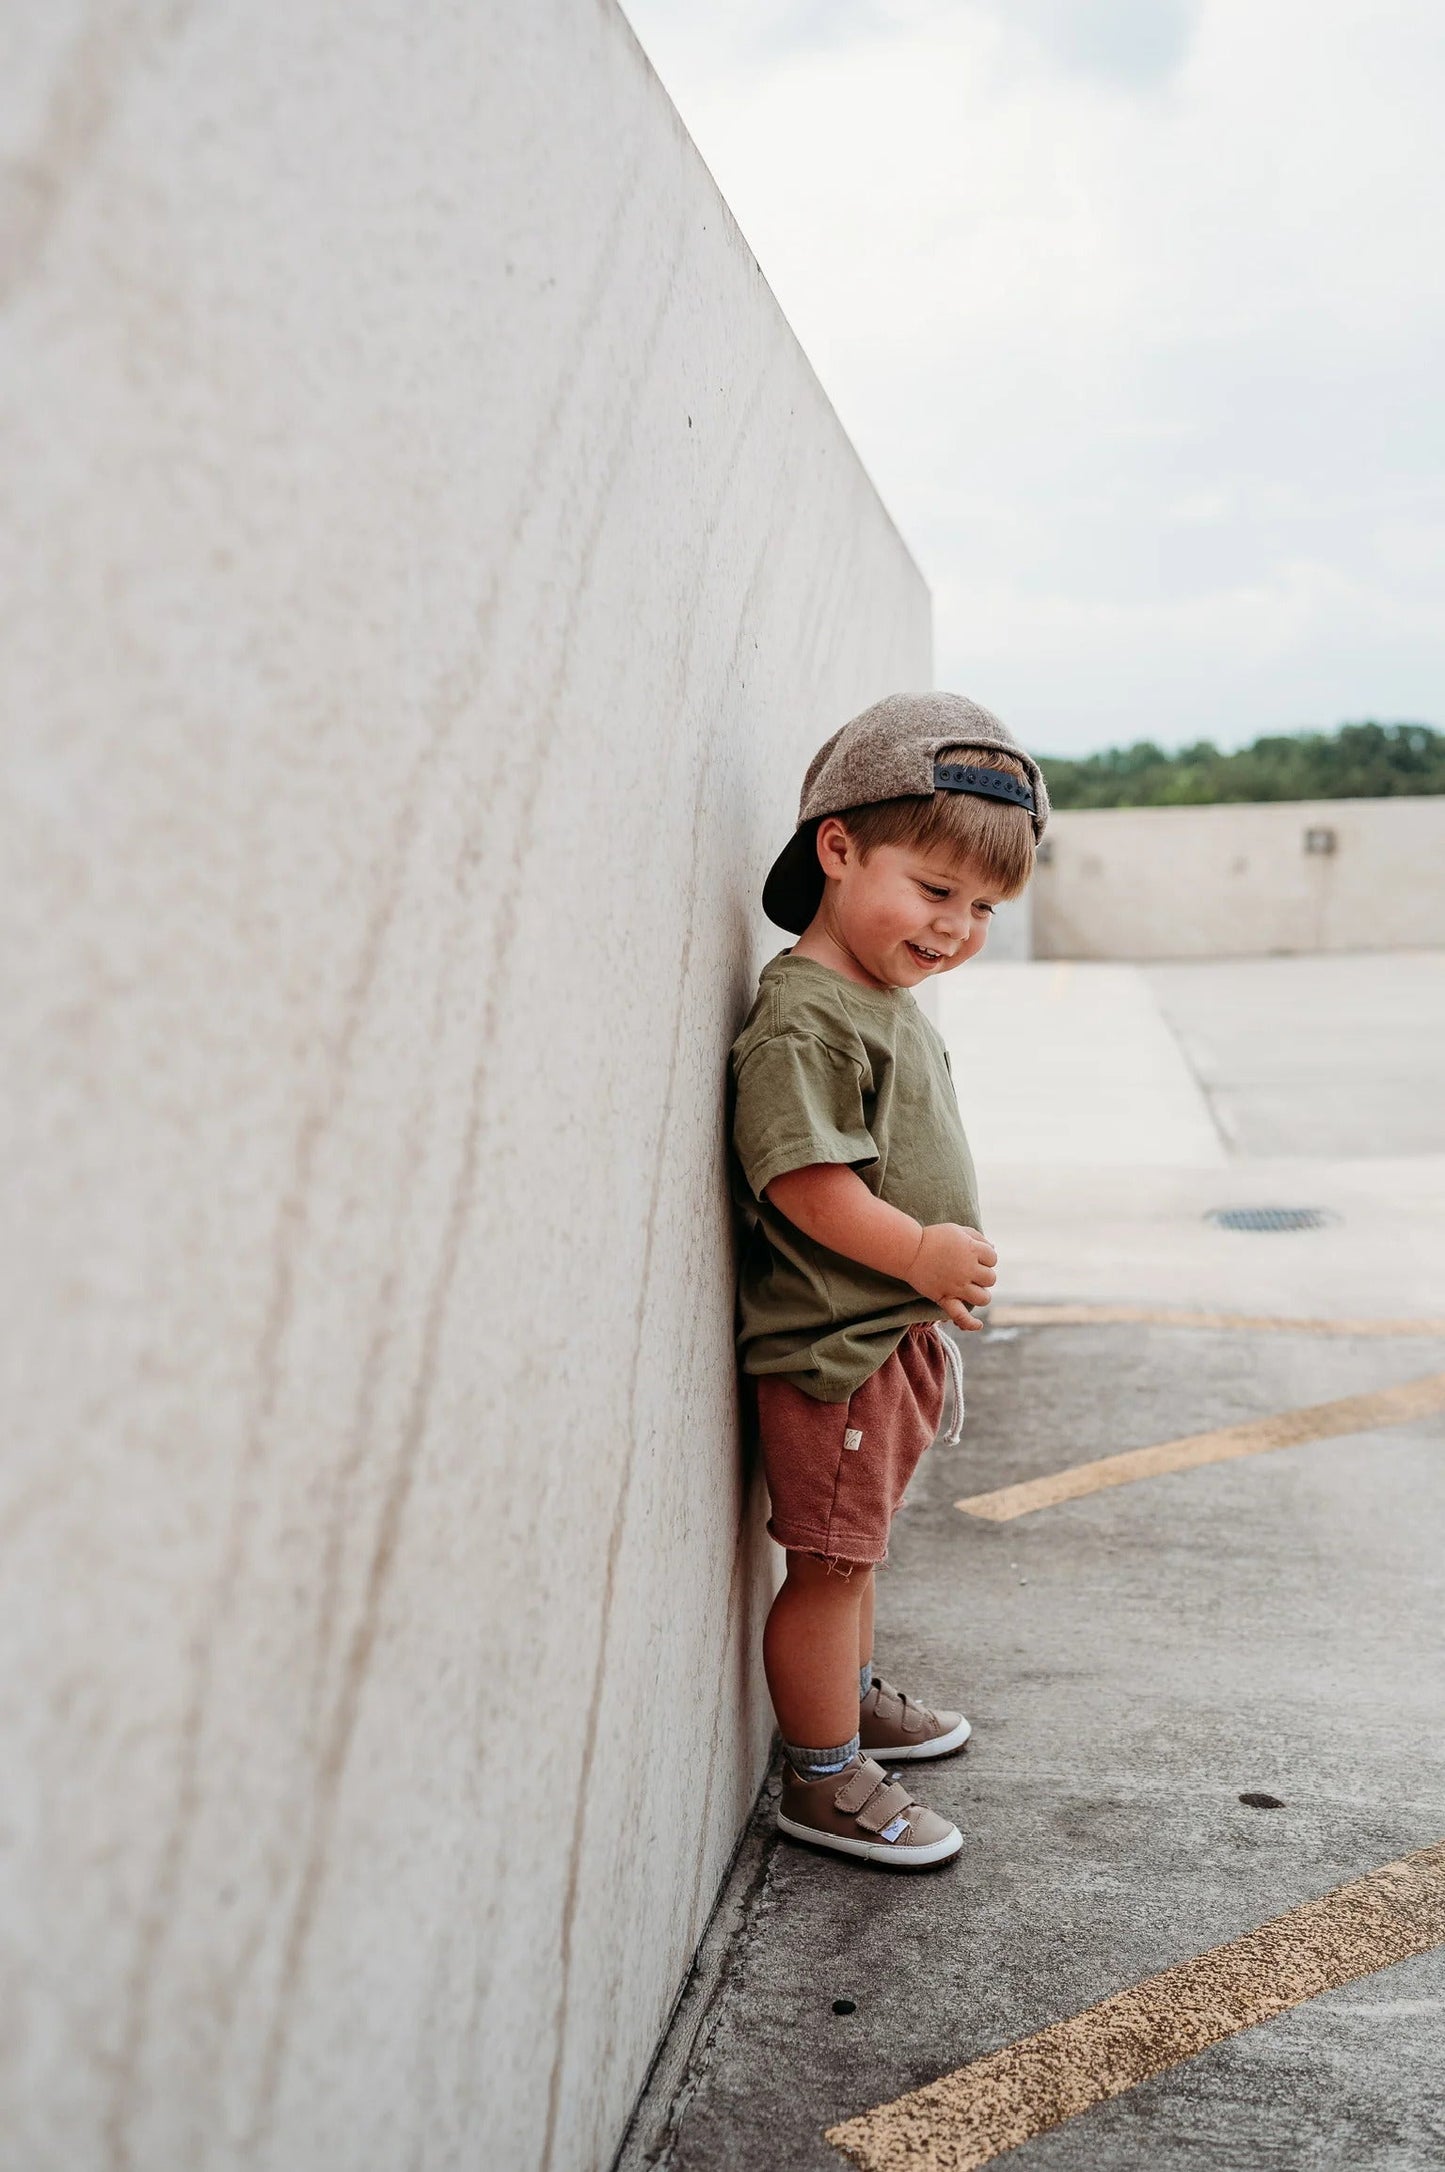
(984, 783)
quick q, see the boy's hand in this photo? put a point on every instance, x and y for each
(951, 1266)
(955, 1267)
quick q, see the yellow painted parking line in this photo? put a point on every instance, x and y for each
(1288, 1429)
(1009, 2096)
(1178, 1316)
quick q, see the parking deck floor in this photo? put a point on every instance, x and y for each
(1141, 1655)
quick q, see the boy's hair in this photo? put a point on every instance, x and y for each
(995, 834)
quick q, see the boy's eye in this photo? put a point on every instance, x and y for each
(931, 889)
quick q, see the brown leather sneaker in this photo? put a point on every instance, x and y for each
(863, 1811)
(896, 1728)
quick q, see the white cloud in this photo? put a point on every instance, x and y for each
(1136, 311)
(1128, 41)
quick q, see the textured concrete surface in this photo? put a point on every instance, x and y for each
(1287, 1082)
(1133, 1663)
(1065, 1065)
(992, 2105)
(1091, 1233)
(427, 563)
(1341, 1056)
(1237, 882)
(1368, 1413)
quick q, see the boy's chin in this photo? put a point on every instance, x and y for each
(909, 974)
(911, 969)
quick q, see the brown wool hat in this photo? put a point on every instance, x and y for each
(891, 752)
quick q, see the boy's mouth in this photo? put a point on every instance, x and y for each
(923, 954)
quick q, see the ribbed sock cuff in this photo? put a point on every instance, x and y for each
(819, 1764)
(865, 1677)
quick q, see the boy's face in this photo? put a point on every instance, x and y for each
(905, 913)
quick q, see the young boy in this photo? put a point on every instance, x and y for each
(858, 1194)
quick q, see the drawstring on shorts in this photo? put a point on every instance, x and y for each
(953, 1358)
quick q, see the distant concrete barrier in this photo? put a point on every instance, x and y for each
(428, 563)
(1242, 881)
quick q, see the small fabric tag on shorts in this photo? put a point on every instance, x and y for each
(895, 1829)
(853, 1438)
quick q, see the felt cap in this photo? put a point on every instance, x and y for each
(892, 751)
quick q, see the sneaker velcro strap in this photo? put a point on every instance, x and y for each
(890, 1801)
(866, 1781)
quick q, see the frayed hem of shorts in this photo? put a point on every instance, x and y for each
(841, 1561)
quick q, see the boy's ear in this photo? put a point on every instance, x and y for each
(835, 847)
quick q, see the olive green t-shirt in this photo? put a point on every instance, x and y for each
(826, 1070)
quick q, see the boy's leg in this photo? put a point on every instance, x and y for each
(834, 1795)
(810, 1650)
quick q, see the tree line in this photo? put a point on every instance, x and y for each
(1358, 761)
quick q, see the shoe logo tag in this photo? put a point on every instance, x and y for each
(895, 1829)
(853, 1438)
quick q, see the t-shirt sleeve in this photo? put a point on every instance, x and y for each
(798, 1102)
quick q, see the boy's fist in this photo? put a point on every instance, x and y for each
(955, 1267)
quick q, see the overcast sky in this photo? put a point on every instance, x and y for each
(1135, 310)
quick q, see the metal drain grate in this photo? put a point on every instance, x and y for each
(1269, 1217)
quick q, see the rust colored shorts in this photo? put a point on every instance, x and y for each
(837, 1471)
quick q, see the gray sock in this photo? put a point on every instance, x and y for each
(819, 1764)
(865, 1677)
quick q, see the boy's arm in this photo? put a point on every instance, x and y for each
(830, 1203)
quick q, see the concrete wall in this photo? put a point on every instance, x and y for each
(428, 561)
(1238, 882)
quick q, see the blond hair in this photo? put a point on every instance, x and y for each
(995, 835)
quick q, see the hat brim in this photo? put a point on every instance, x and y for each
(794, 888)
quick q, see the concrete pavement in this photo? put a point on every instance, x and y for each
(1136, 1660)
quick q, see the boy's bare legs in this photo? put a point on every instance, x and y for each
(812, 1646)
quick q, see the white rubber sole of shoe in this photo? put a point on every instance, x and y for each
(876, 1851)
(936, 1746)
